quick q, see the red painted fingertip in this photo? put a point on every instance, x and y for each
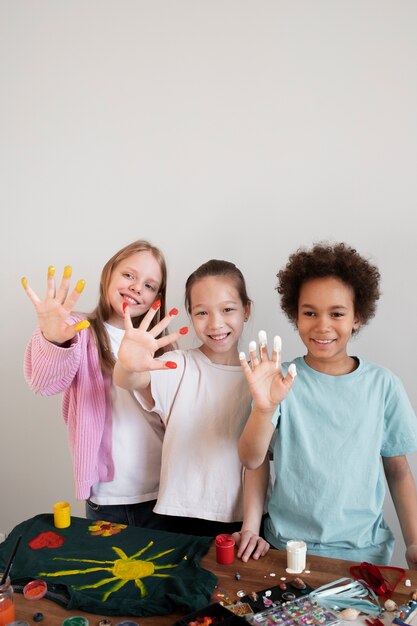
(171, 365)
(183, 330)
(156, 305)
(173, 312)
(125, 305)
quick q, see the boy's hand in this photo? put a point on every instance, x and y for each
(411, 556)
(267, 385)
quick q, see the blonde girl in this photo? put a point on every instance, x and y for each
(116, 449)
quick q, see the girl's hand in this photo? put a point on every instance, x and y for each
(55, 311)
(250, 544)
(138, 347)
(267, 385)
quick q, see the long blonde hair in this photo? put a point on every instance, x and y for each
(103, 310)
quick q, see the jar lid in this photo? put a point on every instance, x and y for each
(225, 541)
(35, 590)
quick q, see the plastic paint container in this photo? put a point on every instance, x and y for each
(35, 590)
(225, 549)
(296, 556)
(62, 514)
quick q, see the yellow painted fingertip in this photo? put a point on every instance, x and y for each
(67, 271)
(24, 282)
(81, 325)
(80, 286)
(51, 271)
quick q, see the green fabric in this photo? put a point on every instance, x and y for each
(134, 572)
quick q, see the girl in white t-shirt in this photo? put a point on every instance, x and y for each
(204, 401)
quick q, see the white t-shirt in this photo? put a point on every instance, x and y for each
(136, 446)
(204, 406)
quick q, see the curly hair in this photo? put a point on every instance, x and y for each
(325, 259)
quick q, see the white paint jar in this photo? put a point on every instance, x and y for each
(296, 556)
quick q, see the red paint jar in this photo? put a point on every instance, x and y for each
(225, 549)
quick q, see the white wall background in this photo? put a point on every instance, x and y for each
(235, 129)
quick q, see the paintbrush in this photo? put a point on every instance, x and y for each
(10, 562)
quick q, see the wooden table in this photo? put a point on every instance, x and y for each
(254, 576)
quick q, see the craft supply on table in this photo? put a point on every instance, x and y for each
(35, 590)
(7, 608)
(225, 549)
(296, 556)
(351, 593)
(62, 514)
(407, 613)
(212, 614)
(375, 577)
(301, 612)
(274, 596)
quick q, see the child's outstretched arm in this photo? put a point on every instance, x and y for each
(403, 492)
(54, 312)
(268, 388)
(255, 486)
(136, 358)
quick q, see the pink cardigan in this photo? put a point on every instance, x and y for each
(86, 405)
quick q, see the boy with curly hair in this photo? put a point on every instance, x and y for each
(343, 416)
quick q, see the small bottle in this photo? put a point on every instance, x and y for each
(7, 611)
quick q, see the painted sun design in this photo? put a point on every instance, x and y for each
(124, 570)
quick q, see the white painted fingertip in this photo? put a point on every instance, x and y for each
(292, 370)
(252, 346)
(242, 356)
(277, 343)
(277, 349)
(262, 338)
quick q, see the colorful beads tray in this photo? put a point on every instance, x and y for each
(301, 612)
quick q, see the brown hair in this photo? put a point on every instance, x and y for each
(215, 267)
(103, 310)
(325, 259)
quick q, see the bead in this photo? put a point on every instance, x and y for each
(38, 617)
(298, 583)
(237, 576)
(390, 605)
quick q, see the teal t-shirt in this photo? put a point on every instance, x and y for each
(330, 487)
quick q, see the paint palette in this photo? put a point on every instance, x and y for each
(302, 612)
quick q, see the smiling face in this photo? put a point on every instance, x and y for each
(325, 321)
(218, 315)
(135, 280)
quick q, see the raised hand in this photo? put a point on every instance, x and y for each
(138, 347)
(54, 312)
(264, 375)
